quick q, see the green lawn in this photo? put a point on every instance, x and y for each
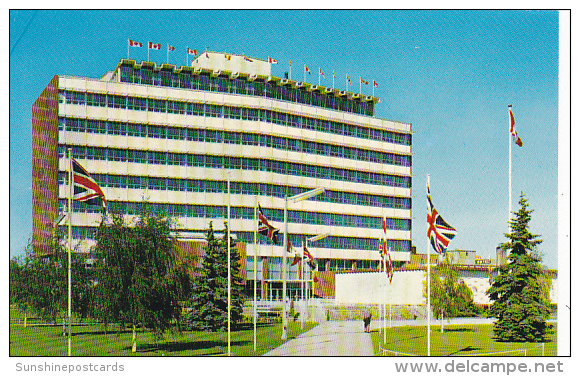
(456, 340)
(91, 340)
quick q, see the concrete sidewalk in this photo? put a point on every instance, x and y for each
(330, 338)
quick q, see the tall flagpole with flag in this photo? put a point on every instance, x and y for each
(428, 280)
(255, 266)
(229, 274)
(513, 136)
(70, 211)
(510, 115)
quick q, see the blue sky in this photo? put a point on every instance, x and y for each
(449, 73)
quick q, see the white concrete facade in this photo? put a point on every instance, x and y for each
(92, 140)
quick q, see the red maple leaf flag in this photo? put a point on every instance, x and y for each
(306, 69)
(191, 52)
(133, 43)
(515, 136)
(170, 48)
(375, 84)
(274, 61)
(154, 46)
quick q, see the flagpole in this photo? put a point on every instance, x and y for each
(302, 286)
(128, 43)
(385, 303)
(284, 251)
(332, 80)
(510, 167)
(428, 288)
(70, 210)
(167, 53)
(229, 273)
(290, 75)
(318, 76)
(255, 265)
(148, 49)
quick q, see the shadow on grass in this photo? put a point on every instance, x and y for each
(102, 332)
(187, 346)
(464, 350)
(453, 330)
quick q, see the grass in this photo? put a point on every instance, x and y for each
(457, 340)
(92, 340)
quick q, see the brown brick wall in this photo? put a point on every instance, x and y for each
(44, 167)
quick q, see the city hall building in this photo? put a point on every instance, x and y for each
(173, 137)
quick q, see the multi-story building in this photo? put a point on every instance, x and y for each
(173, 136)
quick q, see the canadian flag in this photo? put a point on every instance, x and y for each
(515, 136)
(170, 48)
(321, 72)
(191, 52)
(154, 46)
(273, 61)
(375, 83)
(306, 69)
(132, 43)
(363, 81)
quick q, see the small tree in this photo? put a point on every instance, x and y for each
(450, 296)
(210, 294)
(140, 282)
(520, 292)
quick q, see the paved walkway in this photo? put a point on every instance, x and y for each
(347, 338)
(330, 338)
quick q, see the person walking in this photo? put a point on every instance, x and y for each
(367, 320)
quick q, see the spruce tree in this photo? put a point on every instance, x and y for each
(520, 292)
(210, 288)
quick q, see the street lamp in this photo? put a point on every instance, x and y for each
(294, 199)
(305, 299)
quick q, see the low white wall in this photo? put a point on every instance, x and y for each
(406, 288)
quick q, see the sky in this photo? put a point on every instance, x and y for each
(451, 74)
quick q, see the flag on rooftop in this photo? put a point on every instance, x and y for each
(515, 136)
(439, 232)
(228, 56)
(154, 46)
(248, 59)
(133, 43)
(191, 52)
(274, 61)
(265, 228)
(85, 188)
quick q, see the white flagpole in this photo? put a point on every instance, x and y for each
(148, 49)
(385, 303)
(128, 42)
(318, 76)
(229, 274)
(510, 166)
(302, 287)
(290, 74)
(332, 80)
(70, 211)
(428, 289)
(255, 266)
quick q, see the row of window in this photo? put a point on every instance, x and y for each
(331, 242)
(239, 188)
(232, 138)
(184, 79)
(230, 112)
(236, 163)
(273, 215)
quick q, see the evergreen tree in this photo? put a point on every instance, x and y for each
(520, 292)
(210, 287)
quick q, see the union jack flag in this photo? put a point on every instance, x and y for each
(439, 232)
(265, 228)
(308, 255)
(85, 188)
